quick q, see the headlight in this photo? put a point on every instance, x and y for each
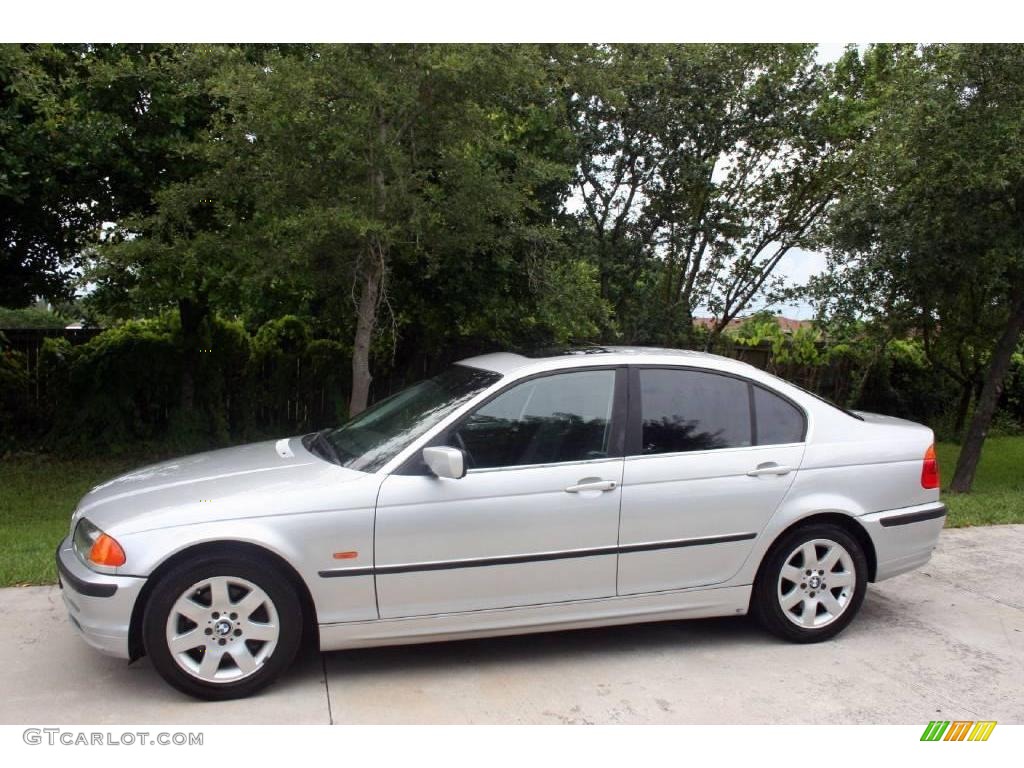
(95, 547)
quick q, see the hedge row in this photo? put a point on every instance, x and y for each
(124, 387)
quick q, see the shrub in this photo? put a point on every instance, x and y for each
(124, 387)
(115, 389)
(14, 394)
(299, 383)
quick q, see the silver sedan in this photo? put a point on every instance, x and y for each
(507, 495)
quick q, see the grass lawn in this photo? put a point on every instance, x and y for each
(37, 497)
(998, 492)
(38, 494)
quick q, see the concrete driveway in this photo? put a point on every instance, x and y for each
(945, 642)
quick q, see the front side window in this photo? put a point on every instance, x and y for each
(375, 436)
(563, 417)
(686, 410)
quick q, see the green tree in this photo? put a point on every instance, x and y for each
(52, 190)
(179, 234)
(700, 167)
(933, 224)
(387, 171)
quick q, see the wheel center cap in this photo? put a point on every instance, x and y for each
(223, 627)
(814, 582)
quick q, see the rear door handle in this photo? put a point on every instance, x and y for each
(592, 484)
(769, 468)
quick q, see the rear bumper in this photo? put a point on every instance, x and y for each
(904, 538)
(99, 606)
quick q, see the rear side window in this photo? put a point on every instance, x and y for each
(687, 410)
(778, 420)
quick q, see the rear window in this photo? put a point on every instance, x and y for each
(823, 399)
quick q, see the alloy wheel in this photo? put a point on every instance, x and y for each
(222, 629)
(816, 583)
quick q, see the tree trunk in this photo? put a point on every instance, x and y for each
(366, 323)
(373, 274)
(192, 312)
(857, 390)
(970, 452)
(718, 328)
(684, 322)
(964, 405)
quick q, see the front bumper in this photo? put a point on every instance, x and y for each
(904, 538)
(99, 605)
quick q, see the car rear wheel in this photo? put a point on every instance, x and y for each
(811, 583)
(222, 627)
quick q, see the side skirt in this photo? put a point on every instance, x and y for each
(549, 617)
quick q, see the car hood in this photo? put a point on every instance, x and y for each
(216, 485)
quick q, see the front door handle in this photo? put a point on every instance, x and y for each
(769, 468)
(592, 484)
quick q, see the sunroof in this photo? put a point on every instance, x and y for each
(560, 351)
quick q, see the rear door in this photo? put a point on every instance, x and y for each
(535, 520)
(710, 457)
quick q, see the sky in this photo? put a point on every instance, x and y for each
(796, 267)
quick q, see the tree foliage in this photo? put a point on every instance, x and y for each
(930, 237)
(49, 143)
(407, 205)
(700, 167)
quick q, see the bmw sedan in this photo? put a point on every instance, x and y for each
(507, 495)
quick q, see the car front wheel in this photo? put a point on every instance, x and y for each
(811, 584)
(222, 627)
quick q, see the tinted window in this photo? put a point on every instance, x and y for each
(778, 421)
(692, 411)
(565, 417)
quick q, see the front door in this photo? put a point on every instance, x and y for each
(710, 458)
(535, 520)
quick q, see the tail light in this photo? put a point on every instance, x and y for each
(930, 469)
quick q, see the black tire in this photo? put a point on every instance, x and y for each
(260, 573)
(765, 602)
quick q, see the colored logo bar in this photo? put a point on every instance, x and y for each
(958, 730)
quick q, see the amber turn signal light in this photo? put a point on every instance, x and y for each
(106, 551)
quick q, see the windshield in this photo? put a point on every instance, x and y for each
(816, 396)
(374, 437)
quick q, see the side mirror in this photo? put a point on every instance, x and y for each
(445, 461)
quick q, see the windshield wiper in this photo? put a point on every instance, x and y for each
(321, 446)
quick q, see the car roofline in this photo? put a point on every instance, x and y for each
(507, 363)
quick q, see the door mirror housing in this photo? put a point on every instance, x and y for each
(445, 461)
